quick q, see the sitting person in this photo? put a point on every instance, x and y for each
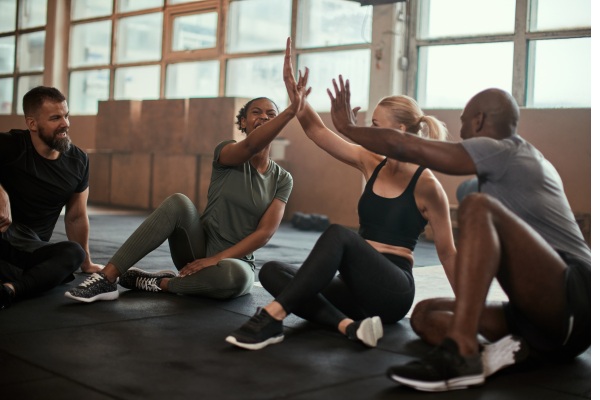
(213, 251)
(41, 172)
(375, 282)
(519, 229)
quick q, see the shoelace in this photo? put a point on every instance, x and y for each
(148, 284)
(91, 280)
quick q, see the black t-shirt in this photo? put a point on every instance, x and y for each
(39, 188)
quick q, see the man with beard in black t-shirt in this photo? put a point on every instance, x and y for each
(40, 173)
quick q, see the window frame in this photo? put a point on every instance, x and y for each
(520, 38)
(16, 74)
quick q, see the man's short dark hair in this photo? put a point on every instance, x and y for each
(33, 100)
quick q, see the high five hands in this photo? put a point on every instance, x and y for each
(342, 113)
(296, 90)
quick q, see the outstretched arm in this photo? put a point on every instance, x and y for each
(77, 227)
(266, 228)
(240, 152)
(312, 124)
(449, 158)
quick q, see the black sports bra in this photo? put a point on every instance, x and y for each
(394, 221)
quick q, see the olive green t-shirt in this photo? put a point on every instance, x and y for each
(238, 197)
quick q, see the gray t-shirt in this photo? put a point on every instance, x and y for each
(237, 199)
(517, 174)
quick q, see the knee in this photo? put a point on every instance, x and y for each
(240, 279)
(476, 204)
(73, 253)
(177, 201)
(267, 270)
(337, 232)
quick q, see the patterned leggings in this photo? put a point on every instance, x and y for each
(178, 221)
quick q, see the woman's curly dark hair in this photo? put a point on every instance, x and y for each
(243, 113)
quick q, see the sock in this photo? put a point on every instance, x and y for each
(351, 330)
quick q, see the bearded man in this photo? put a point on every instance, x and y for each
(41, 172)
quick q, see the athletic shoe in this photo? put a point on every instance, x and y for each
(138, 279)
(368, 331)
(505, 352)
(6, 296)
(440, 370)
(260, 331)
(96, 287)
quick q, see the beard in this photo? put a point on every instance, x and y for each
(60, 144)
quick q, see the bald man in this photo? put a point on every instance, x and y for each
(519, 229)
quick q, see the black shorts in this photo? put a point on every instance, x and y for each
(577, 320)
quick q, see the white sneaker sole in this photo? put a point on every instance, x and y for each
(254, 346)
(461, 382)
(102, 296)
(501, 354)
(370, 331)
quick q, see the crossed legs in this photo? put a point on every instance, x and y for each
(494, 242)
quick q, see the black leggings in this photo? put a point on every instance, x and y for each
(369, 283)
(35, 272)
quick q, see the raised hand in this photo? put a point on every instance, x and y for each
(342, 113)
(297, 91)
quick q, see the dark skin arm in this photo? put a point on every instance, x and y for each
(446, 157)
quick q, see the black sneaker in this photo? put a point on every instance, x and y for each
(260, 331)
(96, 287)
(440, 370)
(368, 331)
(505, 352)
(139, 279)
(6, 296)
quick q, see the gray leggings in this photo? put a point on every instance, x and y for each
(178, 221)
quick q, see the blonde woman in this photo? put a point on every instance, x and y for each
(355, 281)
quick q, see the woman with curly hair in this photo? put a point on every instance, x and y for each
(212, 251)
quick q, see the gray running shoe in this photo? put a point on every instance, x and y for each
(96, 287)
(138, 279)
(259, 331)
(440, 370)
(505, 352)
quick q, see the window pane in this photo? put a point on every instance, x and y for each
(8, 15)
(81, 9)
(134, 5)
(26, 83)
(180, 1)
(332, 22)
(560, 73)
(443, 18)
(193, 32)
(256, 77)
(31, 51)
(137, 83)
(86, 88)
(258, 25)
(7, 54)
(140, 38)
(32, 13)
(354, 65)
(90, 44)
(6, 95)
(193, 79)
(551, 15)
(450, 75)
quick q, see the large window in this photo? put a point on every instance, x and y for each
(22, 50)
(150, 49)
(531, 48)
